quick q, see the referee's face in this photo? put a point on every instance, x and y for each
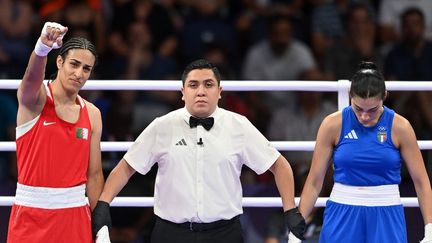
(201, 92)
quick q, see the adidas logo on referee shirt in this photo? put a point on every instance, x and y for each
(351, 135)
(181, 142)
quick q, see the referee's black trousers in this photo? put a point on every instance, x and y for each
(224, 231)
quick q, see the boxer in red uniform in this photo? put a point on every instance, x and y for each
(58, 145)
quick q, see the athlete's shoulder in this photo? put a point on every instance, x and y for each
(95, 116)
(333, 119)
(400, 123)
(91, 107)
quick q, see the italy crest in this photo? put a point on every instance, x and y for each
(382, 134)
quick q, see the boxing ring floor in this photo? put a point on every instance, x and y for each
(341, 87)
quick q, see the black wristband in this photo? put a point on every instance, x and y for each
(295, 222)
(101, 216)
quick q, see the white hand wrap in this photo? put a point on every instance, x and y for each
(41, 49)
(102, 235)
(428, 234)
(293, 239)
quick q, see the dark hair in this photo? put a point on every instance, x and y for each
(273, 20)
(368, 82)
(76, 43)
(201, 64)
(354, 7)
(411, 11)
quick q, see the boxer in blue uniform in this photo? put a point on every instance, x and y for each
(367, 142)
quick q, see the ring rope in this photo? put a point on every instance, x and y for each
(247, 201)
(279, 145)
(341, 87)
(234, 85)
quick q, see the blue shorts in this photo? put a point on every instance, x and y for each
(363, 224)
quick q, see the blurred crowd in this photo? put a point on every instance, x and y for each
(247, 40)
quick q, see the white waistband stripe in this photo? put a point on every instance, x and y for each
(385, 195)
(50, 198)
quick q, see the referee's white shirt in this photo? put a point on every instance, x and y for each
(200, 183)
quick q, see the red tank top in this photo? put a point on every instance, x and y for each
(54, 152)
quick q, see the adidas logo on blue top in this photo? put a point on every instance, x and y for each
(351, 135)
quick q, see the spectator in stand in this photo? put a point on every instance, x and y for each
(358, 44)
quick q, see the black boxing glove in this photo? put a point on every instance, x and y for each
(295, 222)
(101, 216)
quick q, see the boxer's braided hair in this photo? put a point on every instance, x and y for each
(76, 43)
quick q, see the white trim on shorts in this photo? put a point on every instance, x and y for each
(384, 195)
(50, 198)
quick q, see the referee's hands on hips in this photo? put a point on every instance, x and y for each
(101, 216)
(295, 222)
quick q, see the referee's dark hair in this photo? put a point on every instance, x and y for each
(201, 64)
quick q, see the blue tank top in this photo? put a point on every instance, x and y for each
(366, 156)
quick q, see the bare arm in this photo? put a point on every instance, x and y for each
(285, 183)
(284, 178)
(101, 216)
(117, 179)
(410, 152)
(325, 141)
(95, 179)
(31, 93)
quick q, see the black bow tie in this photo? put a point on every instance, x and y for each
(207, 123)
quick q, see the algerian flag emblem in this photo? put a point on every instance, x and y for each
(82, 133)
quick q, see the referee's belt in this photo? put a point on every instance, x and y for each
(192, 226)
